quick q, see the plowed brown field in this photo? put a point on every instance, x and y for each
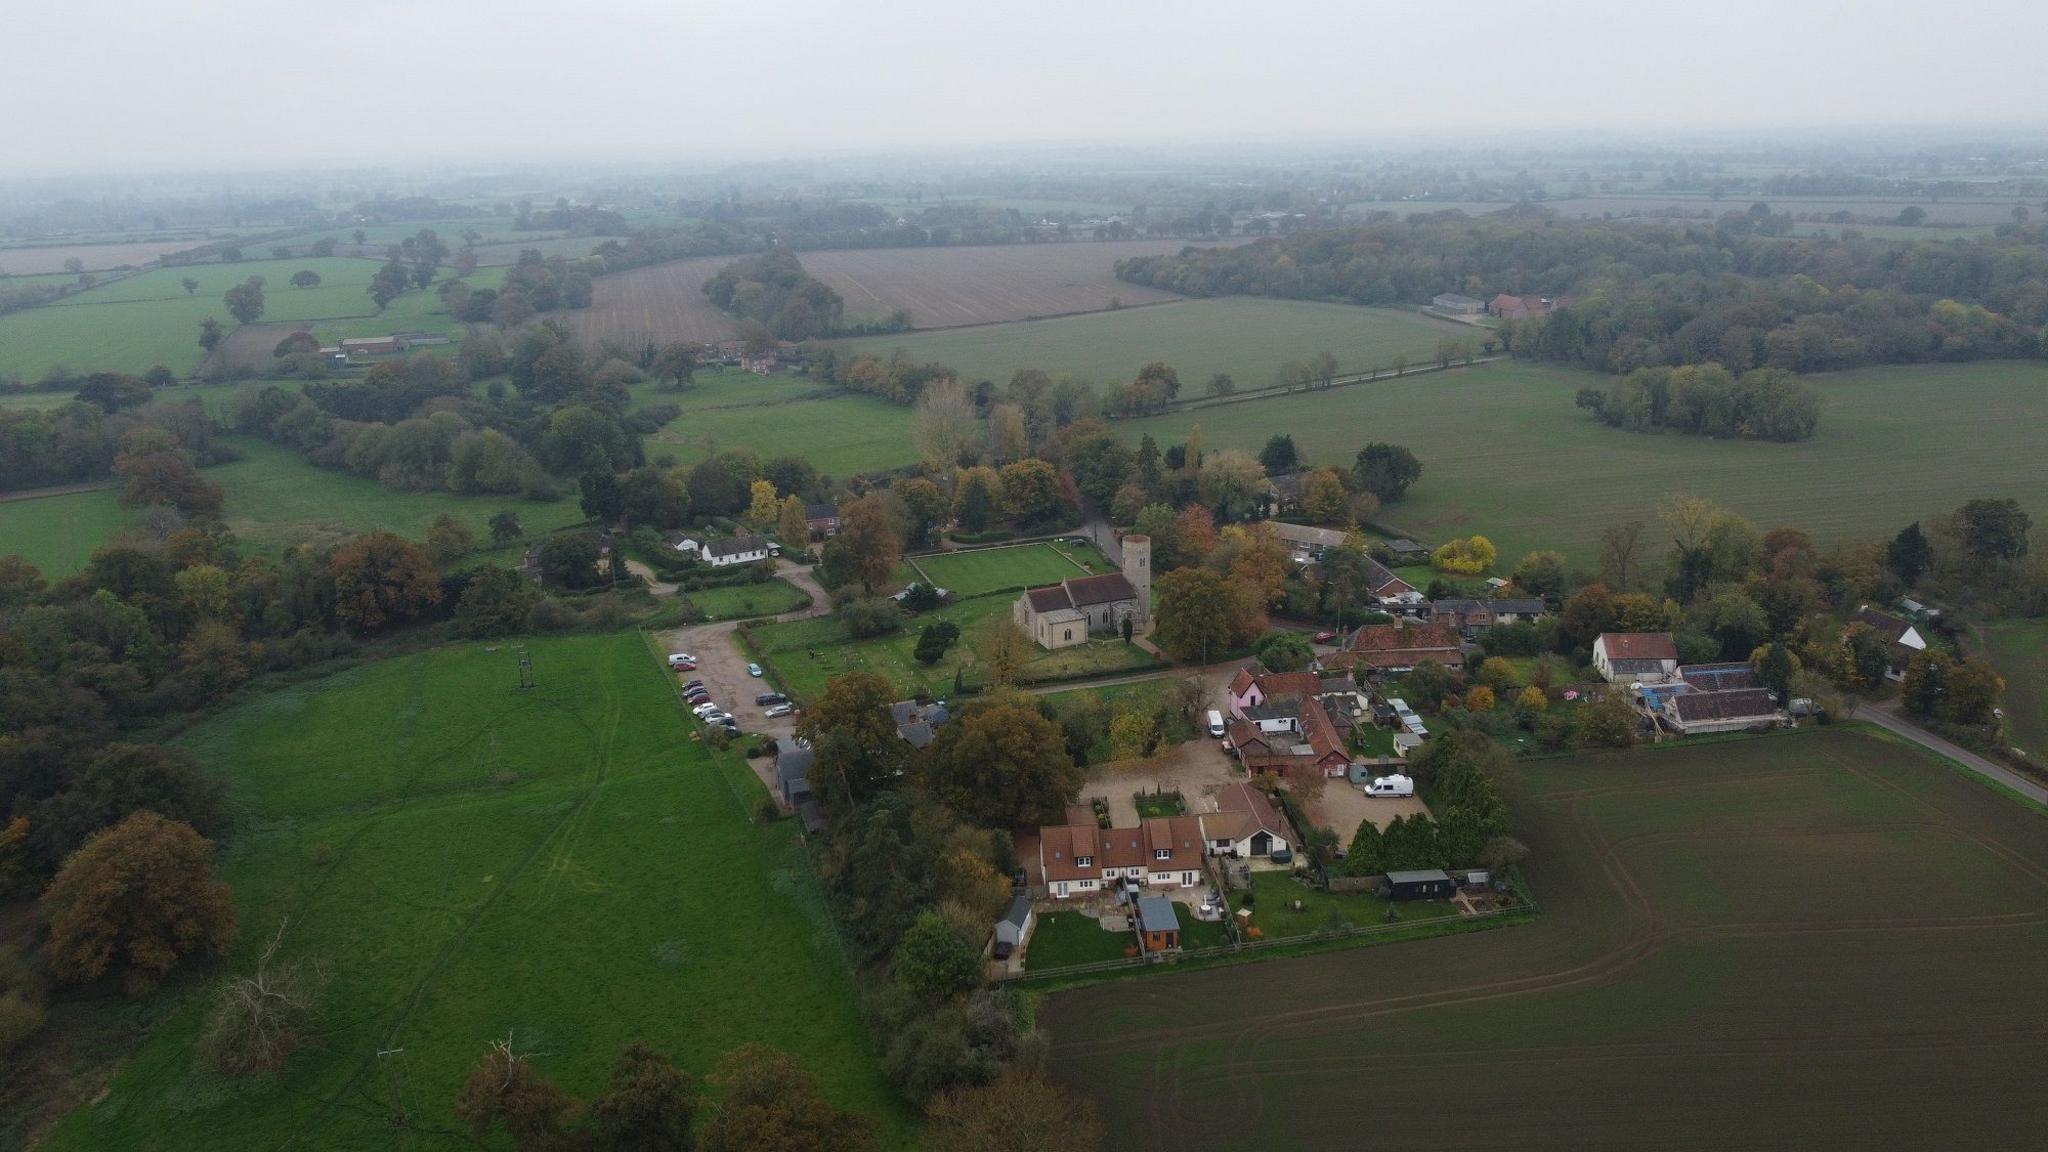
(1818, 941)
(940, 287)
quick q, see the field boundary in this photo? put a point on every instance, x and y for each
(1368, 376)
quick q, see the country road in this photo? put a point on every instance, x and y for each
(1968, 759)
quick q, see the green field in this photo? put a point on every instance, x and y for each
(274, 499)
(2020, 650)
(1022, 566)
(1061, 939)
(1817, 940)
(147, 319)
(1505, 453)
(740, 601)
(566, 865)
(1248, 338)
(804, 654)
(839, 432)
(217, 397)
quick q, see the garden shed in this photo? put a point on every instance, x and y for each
(1425, 884)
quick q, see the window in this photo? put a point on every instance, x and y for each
(1084, 861)
(1162, 853)
(1069, 634)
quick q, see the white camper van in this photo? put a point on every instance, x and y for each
(1216, 724)
(1395, 785)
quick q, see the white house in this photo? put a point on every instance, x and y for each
(735, 550)
(1245, 826)
(1901, 638)
(1636, 657)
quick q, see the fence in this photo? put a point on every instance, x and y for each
(1198, 955)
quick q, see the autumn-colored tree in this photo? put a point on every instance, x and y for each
(1324, 498)
(647, 1104)
(1200, 614)
(767, 1103)
(204, 590)
(1004, 649)
(853, 738)
(1019, 1112)
(791, 524)
(1003, 765)
(1468, 557)
(137, 898)
(1195, 531)
(1008, 438)
(166, 477)
(1532, 699)
(1635, 612)
(381, 578)
(1479, 699)
(504, 1092)
(944, 424)
(762, 506)
(449, 539)
(1498, 674)
(870, 540)
(1031, 492)
(1232, 481)
(1261, 563)
(1132, 734)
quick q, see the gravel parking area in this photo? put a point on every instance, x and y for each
(1342, 805)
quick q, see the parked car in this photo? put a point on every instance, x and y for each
(678, 659)
(778, 711)
(754, 670)
(1396, 785)
(699, 694)
(704, 709)
(721, 718)
(684, 667)
(689, 684)
(767, 698)
(1327, 636)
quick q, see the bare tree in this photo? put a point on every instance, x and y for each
(1619, 548)
(262, 1018)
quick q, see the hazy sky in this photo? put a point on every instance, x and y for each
(132, 83)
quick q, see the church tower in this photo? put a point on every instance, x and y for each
(1138, 570)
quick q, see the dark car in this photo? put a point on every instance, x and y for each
(767, 698)
(692, 684)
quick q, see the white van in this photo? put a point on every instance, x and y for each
(1396, 785)
(1216, 724)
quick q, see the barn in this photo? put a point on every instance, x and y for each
(1426, 884)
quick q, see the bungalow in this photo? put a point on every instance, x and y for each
(1395, 648)
(1253, 686)
(1457, 305)
(1306, 742)
(731, 550)
(1901, 638)
(1306, 537)
(918, 724)
(1636, 657)
(1472, 617)
(1245, 825)
(1158, 924)
(1694, 713)
(822, 519)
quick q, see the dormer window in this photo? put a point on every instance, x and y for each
(1162, 853)
(1084, 861)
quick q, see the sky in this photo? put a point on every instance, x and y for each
(129, 84)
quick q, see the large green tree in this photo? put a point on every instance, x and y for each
(1003, 765)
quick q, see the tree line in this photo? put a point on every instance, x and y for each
(1658, 294)
(774, 291)
(1708, 400)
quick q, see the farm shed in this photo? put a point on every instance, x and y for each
(1158, 924)
(1427, 884)
(1015, 926)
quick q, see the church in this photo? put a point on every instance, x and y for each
(1069, 612)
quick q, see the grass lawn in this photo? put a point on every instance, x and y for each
(2020, 650)
(1372, 740)
(274, 498)
(146, 319)
(1199, 933)
(1274, 912)
(1143, 696)
(1525, 467)
(1064, 938)
(1730, 933)
(217, 398)
(1156, 804)
(1245, 337)
(839, 432)
(807, 653)
(772, 598)
(565, 865)
(1022, 566)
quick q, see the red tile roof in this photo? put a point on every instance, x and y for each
(1639, 645)
(1048, 599)
(1107, 588)
(1395, 638)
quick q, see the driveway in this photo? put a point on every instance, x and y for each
(1343, 805)
(1198, 769)
(722, 666)
(1963, 756)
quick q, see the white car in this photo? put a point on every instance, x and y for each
(778, 710)
(718, 718)
(704, 709)
(678, 659)
(1395, 785)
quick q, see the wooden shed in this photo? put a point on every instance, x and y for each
(1427, 884)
